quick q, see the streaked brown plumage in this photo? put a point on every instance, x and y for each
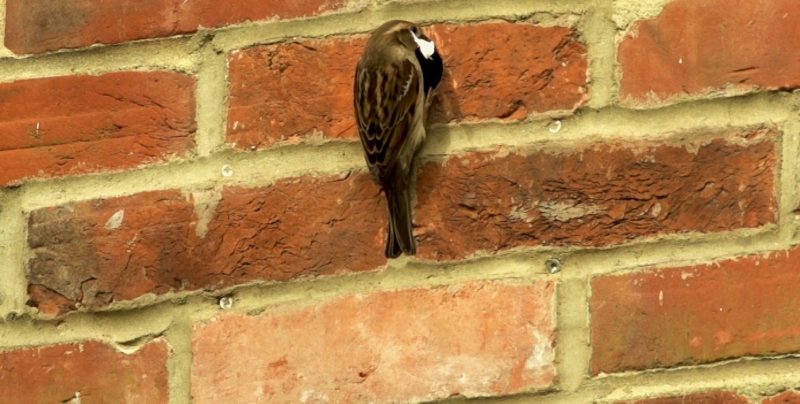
(394, 82)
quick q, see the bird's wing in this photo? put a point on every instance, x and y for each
(386, 106)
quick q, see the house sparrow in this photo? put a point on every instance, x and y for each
(394, 84)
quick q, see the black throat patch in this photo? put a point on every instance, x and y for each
(432, 69)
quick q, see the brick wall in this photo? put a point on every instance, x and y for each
(608, 206)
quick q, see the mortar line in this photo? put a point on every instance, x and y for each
(527, 266)
(750, 377)
(212, 101)
(13, 236)
(672, 252)
(747, 375)
(572, 347)
(246, 169)
(786, 180)
(598, 30)
(331, 157)
(164, 54)
(4, 52)
(119, 327)
(237, 36)
(179, 364)
(587, 127)
(616, 67)
(790, 180)
(363, 21)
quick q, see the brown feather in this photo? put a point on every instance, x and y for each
(386, 110)
(390, 103)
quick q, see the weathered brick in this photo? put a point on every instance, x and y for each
(603, 194)
(88, 371)
(696, 314)
(480, 338)
(35, 26)
(90, 254)
(69, 125)
(290, 92)
(710, 397)
(500, 70)
(696, 47)
(496, 70)
(786, 397)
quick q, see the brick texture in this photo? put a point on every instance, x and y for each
(35, 26)
(604, 194)
(787, 397)
(290, 92)
(710, 397)
(412, 345)
(86, 372)
(69, 125)
(696, 47)
(696, 314)
(500, 70)
(495, 70)
(276, 284)
(90, 254)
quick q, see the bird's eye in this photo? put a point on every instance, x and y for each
(416, 31)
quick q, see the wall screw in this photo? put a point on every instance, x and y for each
(226, 302)
(555, 126)
(227, 171)
(553, 265)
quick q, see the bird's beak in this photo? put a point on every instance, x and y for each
(425, 47)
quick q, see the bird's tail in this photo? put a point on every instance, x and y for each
(400, 238)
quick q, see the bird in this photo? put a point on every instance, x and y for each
(395, 82)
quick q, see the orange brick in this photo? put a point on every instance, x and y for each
(36, 26)
(598, 195)
(89, 371)
(289, 92)
(91, 254)
(69, 125)
(698, 47)
(697, 314)
(480, 338)
(508, 71)
(497, 70)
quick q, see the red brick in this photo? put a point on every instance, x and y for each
(495, 70)
(70, 125)
(82, 257)
(600, 195)
(696, 314)
(35, 26)
(289, 92)
(480, 338)
(712, 397)
(696, 47)
(509, 71)
(787, 397)
(91, 371)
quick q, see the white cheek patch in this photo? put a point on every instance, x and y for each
(425, 47)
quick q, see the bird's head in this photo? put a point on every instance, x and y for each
(408, 34)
